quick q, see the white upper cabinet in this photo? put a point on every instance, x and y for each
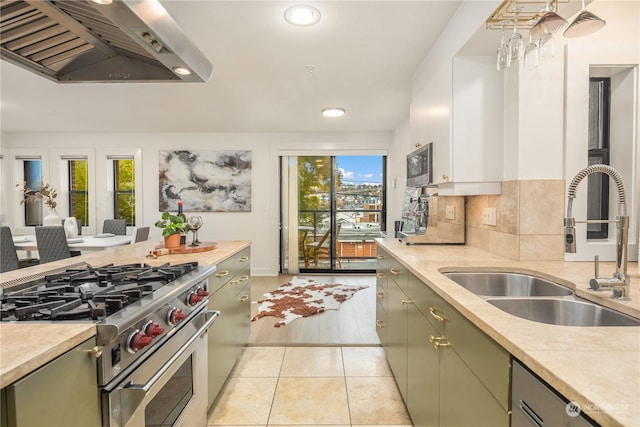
(458, 104)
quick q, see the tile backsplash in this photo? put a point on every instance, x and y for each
(529, 223)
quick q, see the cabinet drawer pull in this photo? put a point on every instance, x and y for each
(406, 301)
(95, 351)
(380, 295)
(234, 282)
(434, 313)
(379, 323)
(243, 298)
(380, 256)
(243, 259)
(222, 273)
(395, 271)
(243, 278)
(439, 342)
(380, 276)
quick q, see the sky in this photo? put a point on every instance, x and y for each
(361, 169)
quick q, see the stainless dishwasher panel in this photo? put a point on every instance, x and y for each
(534, 404)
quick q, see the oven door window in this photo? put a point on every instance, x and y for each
(166, 406)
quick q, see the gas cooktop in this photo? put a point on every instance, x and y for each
(88, 293)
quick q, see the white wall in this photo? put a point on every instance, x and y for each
(261, 225)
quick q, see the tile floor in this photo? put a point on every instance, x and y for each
(338, 386)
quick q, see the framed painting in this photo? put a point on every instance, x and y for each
(205, 181)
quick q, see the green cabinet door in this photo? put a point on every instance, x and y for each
(464, 400)
(423, 379)
(62, 393)
(397, 330)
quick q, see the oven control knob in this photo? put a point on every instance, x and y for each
(202, 292)
(175, 316)
(137, 341)
(193, 298)
(153, 329)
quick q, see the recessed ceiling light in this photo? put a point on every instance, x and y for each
(182, 71)
(333, 112)
(302, 15)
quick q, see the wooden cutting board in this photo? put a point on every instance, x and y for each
(186, 249)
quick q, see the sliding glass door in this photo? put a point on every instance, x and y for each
(333, 209)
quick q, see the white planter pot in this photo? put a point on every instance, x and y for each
(71, 227)
(52, 218)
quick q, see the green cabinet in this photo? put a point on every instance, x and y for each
(64, 393)
(229, 293)
(449, 372)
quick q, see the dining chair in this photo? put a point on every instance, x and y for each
(323, 247)
(142, 234)
(8, 255)
(115, 226)
(52, 243)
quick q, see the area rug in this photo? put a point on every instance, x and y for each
(303, 297)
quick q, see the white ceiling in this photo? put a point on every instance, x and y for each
(364, 53)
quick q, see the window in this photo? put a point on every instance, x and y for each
(79, 190)
(598, 184)
(124, 190)
(32, 173)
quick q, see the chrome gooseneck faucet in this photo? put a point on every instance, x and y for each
(620, 281)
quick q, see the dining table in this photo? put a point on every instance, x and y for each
(88, 243)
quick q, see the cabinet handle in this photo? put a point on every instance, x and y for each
(243, 298)
(379, 323)
(380, 256)
(243, 259)
(380, 295)
(445, 177)
(395, 271)
(222, 273)
(234, 282)
(380, 275)
(95, 351)
(244, 278)
(439, 342)
(434, 311)
(406, 301)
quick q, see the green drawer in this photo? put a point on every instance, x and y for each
(224, 272)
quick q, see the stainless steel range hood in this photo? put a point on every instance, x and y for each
(99, 41)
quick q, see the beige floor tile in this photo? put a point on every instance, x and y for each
(376, 400)
(312, 362)
(244, 401)
(365, 362)
(305, 401)
(259, 362)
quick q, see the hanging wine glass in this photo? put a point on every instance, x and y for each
(531, 54)
(546, 46)
(195, 222)
(550, 22)
(504, 55)
(584, 24)
(516, 45)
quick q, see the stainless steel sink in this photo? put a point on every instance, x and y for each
(497, 284)
(565, 312)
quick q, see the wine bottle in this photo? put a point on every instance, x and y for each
(183, 235)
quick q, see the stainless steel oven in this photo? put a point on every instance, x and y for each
(170, 387)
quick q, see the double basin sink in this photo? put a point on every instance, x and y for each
(539, 300)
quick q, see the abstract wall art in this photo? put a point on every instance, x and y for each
(205, 181)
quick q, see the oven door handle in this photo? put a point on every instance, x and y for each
(137, 392)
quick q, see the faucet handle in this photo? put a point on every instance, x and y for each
(596, 266)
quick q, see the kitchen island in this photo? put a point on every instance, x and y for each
(26, 346)
(597, 367)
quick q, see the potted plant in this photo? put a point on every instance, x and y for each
(172, 226)
(48, 195)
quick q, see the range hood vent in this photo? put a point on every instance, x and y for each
(83, 41)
